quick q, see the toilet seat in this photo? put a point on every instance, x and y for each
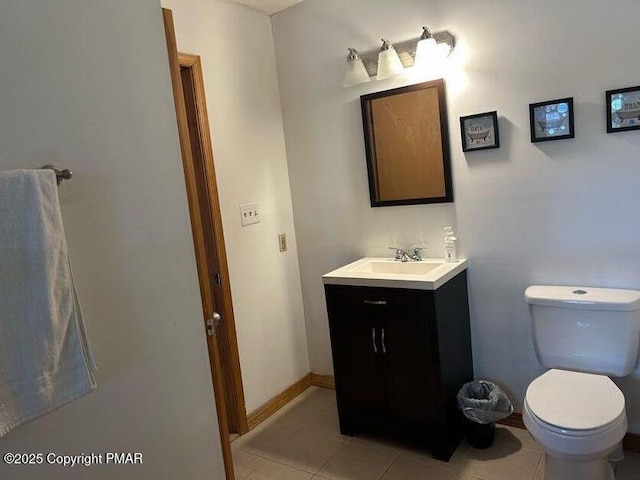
(575, 415)
(569, 433)
(581, 445)
(574, 403)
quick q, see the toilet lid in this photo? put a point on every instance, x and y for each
(575, 401)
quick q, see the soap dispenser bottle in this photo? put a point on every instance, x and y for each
(450, 246)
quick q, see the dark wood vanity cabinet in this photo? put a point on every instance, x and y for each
(400, 356)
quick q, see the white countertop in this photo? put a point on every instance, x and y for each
(427, 274)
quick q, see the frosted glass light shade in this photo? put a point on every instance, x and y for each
(427, 53)
(443, 50)
(389, 63)
(354, 71)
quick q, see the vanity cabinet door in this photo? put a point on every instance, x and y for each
(357, 355)
(410, 357)
(359, 370)
(411, 374)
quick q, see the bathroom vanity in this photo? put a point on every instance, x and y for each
(401, 348)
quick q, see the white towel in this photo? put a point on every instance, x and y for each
(45, 358)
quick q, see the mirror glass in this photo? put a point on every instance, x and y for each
(407, 145)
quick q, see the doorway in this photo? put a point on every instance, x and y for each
(208, 237)
(207, 198)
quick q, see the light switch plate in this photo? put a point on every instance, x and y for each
(249, 214)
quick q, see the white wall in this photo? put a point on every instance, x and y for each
(243, 102)
(85, 84)
(563, 212)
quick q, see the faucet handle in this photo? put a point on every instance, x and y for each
(399, 252)
(417, 255)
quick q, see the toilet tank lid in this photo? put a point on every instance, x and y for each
(585, 298)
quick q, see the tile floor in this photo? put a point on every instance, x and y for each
(303, 441)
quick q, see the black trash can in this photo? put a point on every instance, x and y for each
(483, 403)
(480, 435)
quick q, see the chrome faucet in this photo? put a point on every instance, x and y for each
(403, 256)
(417, 256)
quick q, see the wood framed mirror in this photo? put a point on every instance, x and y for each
(407, 145)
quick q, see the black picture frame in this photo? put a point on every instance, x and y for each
(623, 109)
(551, 120)
(434, 112)
(480, 131)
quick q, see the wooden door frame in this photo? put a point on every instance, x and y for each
(238, 409)
(205, 283)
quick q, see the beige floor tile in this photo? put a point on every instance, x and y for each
(354, 462)
(384, 444)
(540, 469)
(413, 469)
(418, 453)
(265, 441)
(460, 456)
(629, 468)
(322, 396)
(317, 402)
(308, 450)
(268, 437)
(325, 423)
(305, 435)
(517, 436)
(309, 403)
(244, 463)
(276, 471)
(501, 462)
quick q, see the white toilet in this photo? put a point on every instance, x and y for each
(574, 410)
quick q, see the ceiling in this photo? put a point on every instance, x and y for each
(268, 6)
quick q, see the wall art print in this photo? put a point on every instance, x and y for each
(480, 131)
(623, 109)
(551, 120)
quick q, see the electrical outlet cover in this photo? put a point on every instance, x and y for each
(282, 242)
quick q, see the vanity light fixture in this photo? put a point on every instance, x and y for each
(389, 63)
(354, 70)
(425, 52)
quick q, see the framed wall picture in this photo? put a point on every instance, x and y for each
(480, 131)
(623, 109)
(551, 120)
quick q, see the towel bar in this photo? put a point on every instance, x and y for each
(61, 173)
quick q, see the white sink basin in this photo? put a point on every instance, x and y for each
(385, 266)
(427, 274)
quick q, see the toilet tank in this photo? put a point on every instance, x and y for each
(595, 330)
